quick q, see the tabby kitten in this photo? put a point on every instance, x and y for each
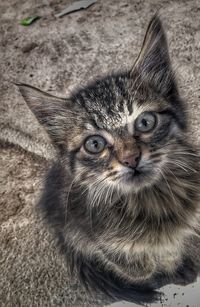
(123, 195)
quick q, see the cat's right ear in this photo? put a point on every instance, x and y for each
(51, 111)
(153, 66)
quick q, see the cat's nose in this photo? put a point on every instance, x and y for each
(131, 160)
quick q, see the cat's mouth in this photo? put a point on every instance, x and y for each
(133, 175)
(137, 178)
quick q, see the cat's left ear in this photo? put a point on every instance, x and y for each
(153, 63)
(53, 113)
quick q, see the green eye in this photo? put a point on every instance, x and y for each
(145, 122)
(95, 144)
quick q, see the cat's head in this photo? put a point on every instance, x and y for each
(123, 131)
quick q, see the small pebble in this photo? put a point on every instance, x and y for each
(29, 47)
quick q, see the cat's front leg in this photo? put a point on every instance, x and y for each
(186, 273)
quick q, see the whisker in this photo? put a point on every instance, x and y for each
(185, 153)
(182, 165)
(169, 188)
(69, 191)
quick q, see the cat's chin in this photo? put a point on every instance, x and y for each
(135, 181)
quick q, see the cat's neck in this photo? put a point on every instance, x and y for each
(154, 214)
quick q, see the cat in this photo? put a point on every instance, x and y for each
(123, 195)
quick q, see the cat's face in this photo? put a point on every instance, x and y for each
(126, 144)
(121, 132)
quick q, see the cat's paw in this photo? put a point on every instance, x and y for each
(186, 273)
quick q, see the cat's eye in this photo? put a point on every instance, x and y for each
(95, 144)
(145, 122)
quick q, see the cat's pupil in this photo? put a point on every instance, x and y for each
(145, 122)
(95, 144)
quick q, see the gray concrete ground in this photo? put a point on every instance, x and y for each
(57, 55)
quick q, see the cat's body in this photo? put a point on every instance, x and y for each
(94, 244)
(123, 197)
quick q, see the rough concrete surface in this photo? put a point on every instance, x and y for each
(56, 55)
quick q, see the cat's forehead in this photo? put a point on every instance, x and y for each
(116, 101)
(122, 118)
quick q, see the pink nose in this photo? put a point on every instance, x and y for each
(131, 160)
